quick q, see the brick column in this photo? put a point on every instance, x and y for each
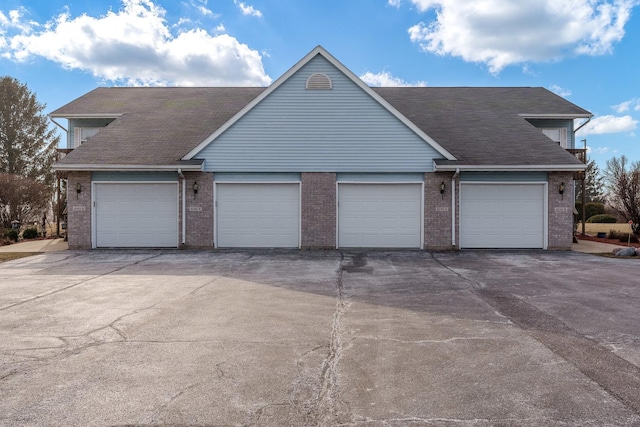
(79, 210)
(318, 210)
(561, 211)
(437, 211)
(199, 210)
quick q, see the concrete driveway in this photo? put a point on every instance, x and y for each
(319, 338)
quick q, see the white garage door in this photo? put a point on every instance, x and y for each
(140, 215)
(502, 215)
(258, 215)
(379, 215)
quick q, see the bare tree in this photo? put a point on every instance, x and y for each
(27, 152)
(623, 189)
(22, 199)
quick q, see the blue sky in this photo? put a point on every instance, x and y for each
(585, 50)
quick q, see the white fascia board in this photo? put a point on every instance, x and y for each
(146, 168)
(319, 50)
(508, 168)
(556, 116)
(87, 116)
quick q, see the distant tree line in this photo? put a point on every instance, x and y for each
(618, 186)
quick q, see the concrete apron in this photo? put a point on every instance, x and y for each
(314, 338)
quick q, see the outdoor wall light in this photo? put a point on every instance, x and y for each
(195, 188)
(78, 189)
(442, 187)
(561, 188)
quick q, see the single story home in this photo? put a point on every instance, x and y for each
(320, 160)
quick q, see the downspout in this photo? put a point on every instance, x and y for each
(60, 126)
(453, 206)
(580, 127)
(184, 206)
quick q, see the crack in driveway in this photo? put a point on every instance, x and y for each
(37, 297)
(614, 374)
(329, 408)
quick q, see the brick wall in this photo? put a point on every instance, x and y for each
(199, 210)
(561, 211)
(79, 210)
(318, 210)
(437, 211)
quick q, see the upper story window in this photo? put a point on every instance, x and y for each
(319, 81)
(80, 134)
(559, 135)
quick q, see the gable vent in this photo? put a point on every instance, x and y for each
(319, 81)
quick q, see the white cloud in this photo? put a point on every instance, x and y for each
(609, 124)
(394, 3)
(248, 9)
(599, 150)
(385, 79)
(135, 46)
(560, 91)
(500, 33)
(627, 105)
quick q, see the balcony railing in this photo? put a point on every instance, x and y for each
(580, 153)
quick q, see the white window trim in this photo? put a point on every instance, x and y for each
(77, 134)
(564, 140)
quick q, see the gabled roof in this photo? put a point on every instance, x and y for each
(319, 50)
(487, 126)
(156, 128)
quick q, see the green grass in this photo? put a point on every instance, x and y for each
(8, 256)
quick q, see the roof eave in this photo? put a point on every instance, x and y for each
(509, 168)
(557, 116)
(85, 115)
(129, 168)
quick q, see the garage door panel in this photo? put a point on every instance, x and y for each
(258, 215)
(136, 215)
(502, 215)
(379, 215)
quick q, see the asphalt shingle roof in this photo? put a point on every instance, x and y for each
(158, 126)
(479, 126)
(483, 126)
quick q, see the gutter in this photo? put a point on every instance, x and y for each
(453, 207)
(146, 168)
(509, 168)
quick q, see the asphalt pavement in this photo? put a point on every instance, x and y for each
(355, 338)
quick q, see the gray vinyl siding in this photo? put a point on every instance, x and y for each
(257, 177)
(337, 130)
(552, 124)
(84, 123)
(134, 176)
(380, 177)
(503, 176)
